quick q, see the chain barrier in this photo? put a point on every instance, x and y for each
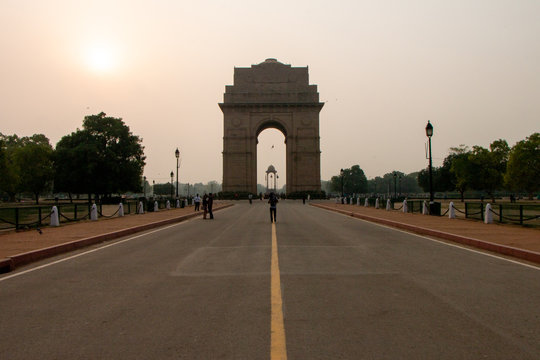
(446, 212)
(72, 220)
(399, 208)
(514, 220)
(459, 211)
(109, 216)
(35, 223)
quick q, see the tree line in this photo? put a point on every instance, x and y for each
(101, 159)
(515, 169)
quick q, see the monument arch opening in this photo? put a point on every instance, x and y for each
(271, 152)
(271, 95)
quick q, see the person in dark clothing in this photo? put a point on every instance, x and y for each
(272, 200)
(205, 205)
(210, 204)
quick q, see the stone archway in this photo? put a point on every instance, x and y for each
(271, 95)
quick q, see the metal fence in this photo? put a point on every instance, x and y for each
(26, 217)
(522, 214)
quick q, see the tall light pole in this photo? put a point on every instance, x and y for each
(177, 154)
(144, 186)
(429, 134)
(172, 177)
(342, 173)
(395, 178)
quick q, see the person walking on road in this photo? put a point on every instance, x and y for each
(205, 205)
(197, 200)
(250, 199)
(272, 200)
(210, 204)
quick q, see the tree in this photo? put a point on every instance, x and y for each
(35, 163)
(25, 164)
(354, 181)
(460, 168)
(103, 158)
(523, 169)
(488, 167)
(9, 171)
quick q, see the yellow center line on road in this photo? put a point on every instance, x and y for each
(278, 346)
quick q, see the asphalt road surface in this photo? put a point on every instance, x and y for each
(334, 288)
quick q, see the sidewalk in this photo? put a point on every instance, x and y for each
(23, 247)
(512, 240)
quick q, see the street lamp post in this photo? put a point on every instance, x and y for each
(399, 180)
(395, 178)
(342, 173)
(429, 134)
(144, 186)
(172, 177)
(177, 154)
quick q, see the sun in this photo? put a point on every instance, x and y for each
(101, 59)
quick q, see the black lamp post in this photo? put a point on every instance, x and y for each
(172, 177)
(399, 178)
(144, 186)
(342, 173)
(429, 134)
(177, 154)
(395, 178)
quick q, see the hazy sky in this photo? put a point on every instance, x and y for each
(383, 69)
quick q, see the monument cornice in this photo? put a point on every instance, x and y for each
(318, 105)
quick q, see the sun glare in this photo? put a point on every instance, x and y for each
(101, 59)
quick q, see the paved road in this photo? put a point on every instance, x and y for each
(202, 290)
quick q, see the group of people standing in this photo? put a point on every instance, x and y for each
(207, 204)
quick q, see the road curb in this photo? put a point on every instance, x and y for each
(12, 262)
(480, 244)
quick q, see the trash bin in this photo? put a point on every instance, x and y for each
(435, 208)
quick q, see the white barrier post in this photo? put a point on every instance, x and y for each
(156, 206)
(425, 208)
(120, 210)
(376, 203)
(388, 204)
(93, 213)
(366, 203)
(405, 206)
(451, 211)
(140, 210)
(168, 205)
(177, 203)
(488, 216)
(55, 221)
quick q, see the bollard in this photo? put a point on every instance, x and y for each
(488, 216)
(177, 203)
(93, 213)
(156, 206)
(366, 203)
(54, 217)
(451, 211)
(376, 203)
(425, 208)
(168, 205)
(388, 204)
(120, 210)
(140, 210)
(405, 206)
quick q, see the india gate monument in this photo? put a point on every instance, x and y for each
(271, 95)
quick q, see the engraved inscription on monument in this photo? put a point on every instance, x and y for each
(271, 95)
